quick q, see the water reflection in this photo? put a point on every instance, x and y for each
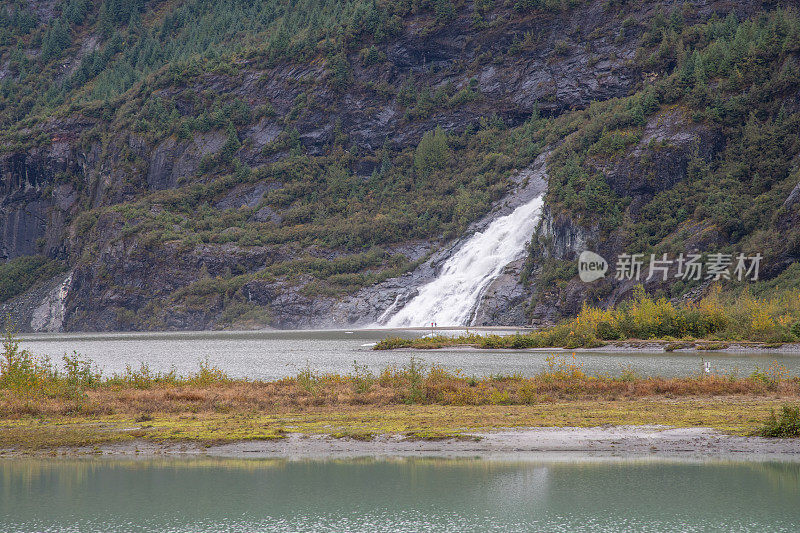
(402, 494)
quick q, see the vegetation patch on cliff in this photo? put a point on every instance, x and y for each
(22, 273)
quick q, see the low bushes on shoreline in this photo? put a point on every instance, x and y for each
(45, 407)
(208, 404)
(31, 386)
(785, 425)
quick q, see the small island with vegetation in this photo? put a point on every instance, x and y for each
(713, 323)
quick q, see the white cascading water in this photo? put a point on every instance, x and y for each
(450, 299)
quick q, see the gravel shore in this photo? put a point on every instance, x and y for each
(615, 441)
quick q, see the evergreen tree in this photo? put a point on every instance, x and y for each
(56, 39)
(445, 11)
(75, 11)
(231, 146)
(432, 153)
(340, 70)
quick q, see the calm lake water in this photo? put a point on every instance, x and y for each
(244, 495)
(276, 354)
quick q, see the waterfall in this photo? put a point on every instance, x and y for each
(451, 298)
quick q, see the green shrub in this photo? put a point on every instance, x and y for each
(432, 152)
(19, 369)
(787, 425)
(142, 378)
(78, 373)
(208, 374)
(493, 341)
(415, 377)
(607, 331)
(628, 374)
(307, 380)
(361, 378)
(392, 343)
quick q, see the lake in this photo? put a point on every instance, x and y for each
(275, 354)
(411, 494)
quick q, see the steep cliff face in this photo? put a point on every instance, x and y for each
(33, 206)
(659, 161)
(247, 191)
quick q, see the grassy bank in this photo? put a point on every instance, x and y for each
(43, 405)
(715, 319)
(735, 415)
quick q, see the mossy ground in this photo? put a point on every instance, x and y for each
(735, 415)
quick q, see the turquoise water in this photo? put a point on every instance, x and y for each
(244, 495)
(277, 354)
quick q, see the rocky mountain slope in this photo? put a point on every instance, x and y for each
(184, 164)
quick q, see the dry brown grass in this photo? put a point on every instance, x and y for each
(391, 388)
